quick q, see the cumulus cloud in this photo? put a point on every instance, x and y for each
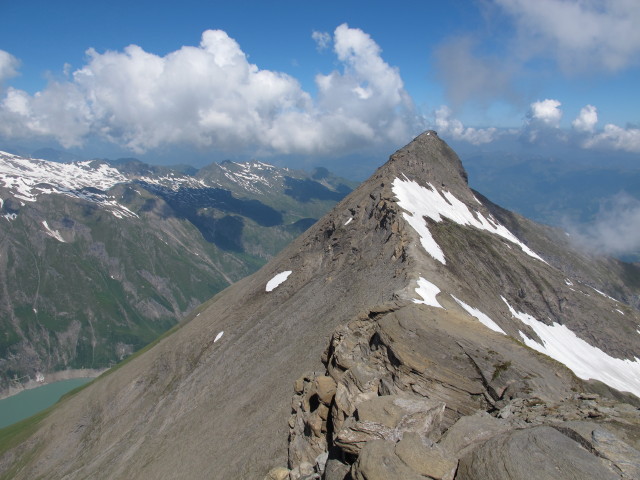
(446, 125)
(580, 34)
(543, 121)
(586, 120)
(8, 66)
(615, 229)
(615, 137)
(543, 124)
(322, 39)
(546, 112)
(211, 96)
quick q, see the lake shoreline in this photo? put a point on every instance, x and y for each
(52, 377)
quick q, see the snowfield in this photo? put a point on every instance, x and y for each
(585, 360)
(428, 202)
(28, 178)
(276, 281)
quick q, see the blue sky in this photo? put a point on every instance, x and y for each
(318, 80)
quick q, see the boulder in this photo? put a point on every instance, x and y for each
(278, 473)
(540, 452)
(378, 461)
(388, 418)
(325, 389)
(431, 461)
(470, 431)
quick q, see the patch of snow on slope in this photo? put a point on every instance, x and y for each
(604, 294)
(429, 202)
(277, 280)
(484, 319)
(428, 292)
(173, 182)
(53, 233)
(585, 360)
(218, 337)
(348, 221)
(249, 174)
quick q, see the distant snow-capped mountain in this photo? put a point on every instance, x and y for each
(97, 258)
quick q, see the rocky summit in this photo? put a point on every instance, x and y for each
(417, 331)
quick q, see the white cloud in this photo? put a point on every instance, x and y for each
(543, 122)
(322, 39)
(546, 112)
(586, 120)
(8, 66)
(211, 96)
(447, 126)
(615, 229)
(581, 34)
(617, 138)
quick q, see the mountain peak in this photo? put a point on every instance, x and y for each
(428, 159)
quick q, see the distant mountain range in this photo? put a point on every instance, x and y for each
(99, 258)
(575, 195)
(416, 331)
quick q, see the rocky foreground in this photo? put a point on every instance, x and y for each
(403, 399)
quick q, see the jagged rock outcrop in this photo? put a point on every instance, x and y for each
(425, 392)
(433, 325)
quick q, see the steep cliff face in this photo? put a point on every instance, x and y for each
(432, 330)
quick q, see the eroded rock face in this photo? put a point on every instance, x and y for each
(418, 392)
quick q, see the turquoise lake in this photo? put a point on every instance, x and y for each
(30, 402)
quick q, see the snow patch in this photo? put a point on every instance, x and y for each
(604, 294)
(53, 233)
(428, 292)
(619, 311)
(422, 202)
(277, 280)
(484, 319)
(585, 360)
(568, 282)
(348, 221)
(218, 337)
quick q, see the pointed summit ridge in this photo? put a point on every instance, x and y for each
(429, 159)
(390, 352)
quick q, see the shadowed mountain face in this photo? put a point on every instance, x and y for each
(307, 190)
(217, 214)
(421, 331)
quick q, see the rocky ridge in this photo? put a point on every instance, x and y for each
(422, 362)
